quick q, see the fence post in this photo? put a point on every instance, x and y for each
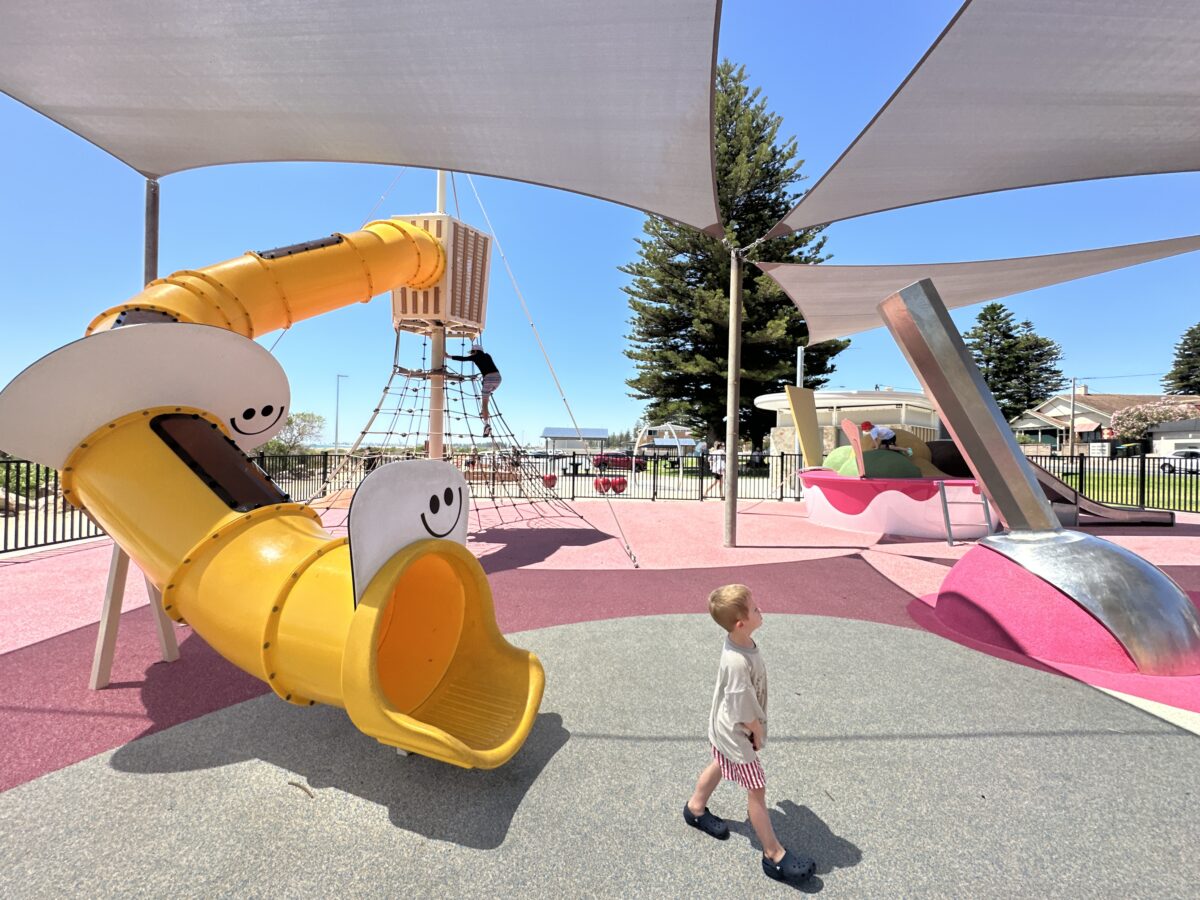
(654, 477)
(1141, 481)
(324, 466)
(1081, 489)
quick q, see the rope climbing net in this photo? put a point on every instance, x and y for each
(497, 468)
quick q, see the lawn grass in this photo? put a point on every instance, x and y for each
(1178, 491)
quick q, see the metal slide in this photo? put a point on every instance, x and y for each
(1058, 491)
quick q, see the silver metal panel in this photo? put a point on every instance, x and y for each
(933, 347)
(1141, 607)
(1139, 604)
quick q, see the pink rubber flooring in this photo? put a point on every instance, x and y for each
(543, 571)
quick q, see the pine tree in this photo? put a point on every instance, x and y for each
(1037, 376)
(1019, 366)
(679, 288)
(1184, 377)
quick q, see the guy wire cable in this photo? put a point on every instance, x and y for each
(546, 355)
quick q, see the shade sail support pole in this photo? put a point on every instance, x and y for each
(150, 251)
(118, 567)
(733, 398)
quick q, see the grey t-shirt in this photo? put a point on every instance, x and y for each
(740, 696)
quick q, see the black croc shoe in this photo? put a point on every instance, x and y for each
(791, 868)
(706, 822)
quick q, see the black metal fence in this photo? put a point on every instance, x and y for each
(33, 512)
(1147, 482)
(567, 476)
(580, 476)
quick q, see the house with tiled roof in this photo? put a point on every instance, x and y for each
(1049, 423)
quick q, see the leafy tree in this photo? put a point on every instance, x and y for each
(1038, 375)
(300, 430)
(679, 289)
(1184, 377)
(1019, 366)
(1132, 422)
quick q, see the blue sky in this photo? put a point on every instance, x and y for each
(71, 238)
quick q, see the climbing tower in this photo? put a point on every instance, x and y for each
(455, 306)
(429, 409)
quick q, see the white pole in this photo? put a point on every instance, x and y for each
(1071, 437)
(732, 399)
(800, 366)
(337, 411)
(437, 361)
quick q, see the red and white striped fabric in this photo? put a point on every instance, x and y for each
(749, 775)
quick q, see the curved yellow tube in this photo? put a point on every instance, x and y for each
(418, 664)
(257, 293)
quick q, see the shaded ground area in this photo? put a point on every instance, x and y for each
(905, 764)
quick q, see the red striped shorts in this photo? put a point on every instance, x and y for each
(749, 775)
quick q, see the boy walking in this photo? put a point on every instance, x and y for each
(737, 730)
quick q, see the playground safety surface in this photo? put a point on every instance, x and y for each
(904, 763)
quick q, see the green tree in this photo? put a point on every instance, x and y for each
(296, 435)
(1184, 377)
(679, 286)
(1019, 366)
(1037, 375)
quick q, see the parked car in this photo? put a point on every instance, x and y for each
(619, 460)
(1183, 461)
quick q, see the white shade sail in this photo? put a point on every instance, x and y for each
(1017, 93)
(838, 301)
(612, 100)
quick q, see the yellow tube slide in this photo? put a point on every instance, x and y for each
(419, 663)
(259, 292)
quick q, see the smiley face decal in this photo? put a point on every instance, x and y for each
(253, 422)
(448, 502)
(401, 503)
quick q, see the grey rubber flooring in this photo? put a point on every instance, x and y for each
(906, 765)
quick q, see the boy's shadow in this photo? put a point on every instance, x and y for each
(804, 833)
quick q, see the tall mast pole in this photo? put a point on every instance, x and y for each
(733, 402)
(437, 361)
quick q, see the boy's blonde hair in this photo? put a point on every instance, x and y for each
(729, 604)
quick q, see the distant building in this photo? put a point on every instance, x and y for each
(669, 438)
(566, 440)
(1049, 423)
(1167, 437)
(905, 410)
